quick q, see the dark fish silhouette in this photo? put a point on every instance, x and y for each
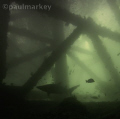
(90, 81)
(118, 54)
(95, 97)
(56, 89)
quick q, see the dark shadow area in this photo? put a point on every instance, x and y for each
(57, 63)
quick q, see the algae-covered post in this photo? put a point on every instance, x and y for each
(4, 19)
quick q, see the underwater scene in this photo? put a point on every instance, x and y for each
(60, 59)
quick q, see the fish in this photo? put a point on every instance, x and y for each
(118, 54)
(70, 90)
(56, 89)
(90, 81)
(95, 97)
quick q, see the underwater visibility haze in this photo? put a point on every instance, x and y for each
(60, 59)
